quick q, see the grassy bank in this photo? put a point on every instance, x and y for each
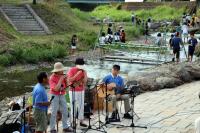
(62, 21)
(159, 13)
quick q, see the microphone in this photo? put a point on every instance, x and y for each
(52, 98)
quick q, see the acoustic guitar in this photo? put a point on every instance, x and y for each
(102, 90)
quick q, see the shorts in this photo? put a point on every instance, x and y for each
(177, 53)
(73, 47)
(41, 119)
(191, 51)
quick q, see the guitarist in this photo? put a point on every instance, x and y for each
(77, 78)
(118, 88)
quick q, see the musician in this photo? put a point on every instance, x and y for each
(58, 85)
(77, 77)
(40, 103)
(115, 78)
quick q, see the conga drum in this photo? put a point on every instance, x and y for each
(100, 97)
(98, 101)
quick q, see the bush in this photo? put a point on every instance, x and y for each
(47, 55)
(4, 60)
(59, 51)
(31, 55)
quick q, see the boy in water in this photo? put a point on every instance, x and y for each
(191, 48)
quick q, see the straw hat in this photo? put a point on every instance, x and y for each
(58, 67)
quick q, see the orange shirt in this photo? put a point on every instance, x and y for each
(73, 72)
(53, 81)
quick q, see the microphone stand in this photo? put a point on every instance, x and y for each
(24, 115)
(73, 106)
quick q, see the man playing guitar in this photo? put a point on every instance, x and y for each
(115, 82)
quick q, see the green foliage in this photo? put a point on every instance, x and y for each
(4, 60)
(161, 13)
(86, 40)
(111, 11)
(158, 13)
(81, 14)
(133, 31)
(7, 59)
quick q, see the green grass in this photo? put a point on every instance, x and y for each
(159, 13)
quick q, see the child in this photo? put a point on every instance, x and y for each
(191, 48)
(159, 39)
(74, 41)
(102, 39)
(123, 36)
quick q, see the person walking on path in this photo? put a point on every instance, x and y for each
(191, 48)
(58, 85)
(40, 103)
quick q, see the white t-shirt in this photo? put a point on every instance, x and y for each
(185, 29)
(116, 37)
(102, 40)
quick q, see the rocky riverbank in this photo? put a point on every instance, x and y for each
(167, 76)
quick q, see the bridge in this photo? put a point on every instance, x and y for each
(94, 1)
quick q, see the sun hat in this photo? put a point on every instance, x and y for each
(58, 67)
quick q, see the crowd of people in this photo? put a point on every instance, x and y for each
(75, 79)
(110, 37)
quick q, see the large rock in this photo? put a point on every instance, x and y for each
(168, 82)
(166, 76)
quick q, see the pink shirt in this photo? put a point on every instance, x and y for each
(73, 72)
(53, 81)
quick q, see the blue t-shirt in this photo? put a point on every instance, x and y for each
(118, 80)
(193, 42)
(176, 41)
(39, 96)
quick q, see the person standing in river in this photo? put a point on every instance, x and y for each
(191, 48)
(176, 42)
(74, 42)
(58, 85)
(40, 103)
